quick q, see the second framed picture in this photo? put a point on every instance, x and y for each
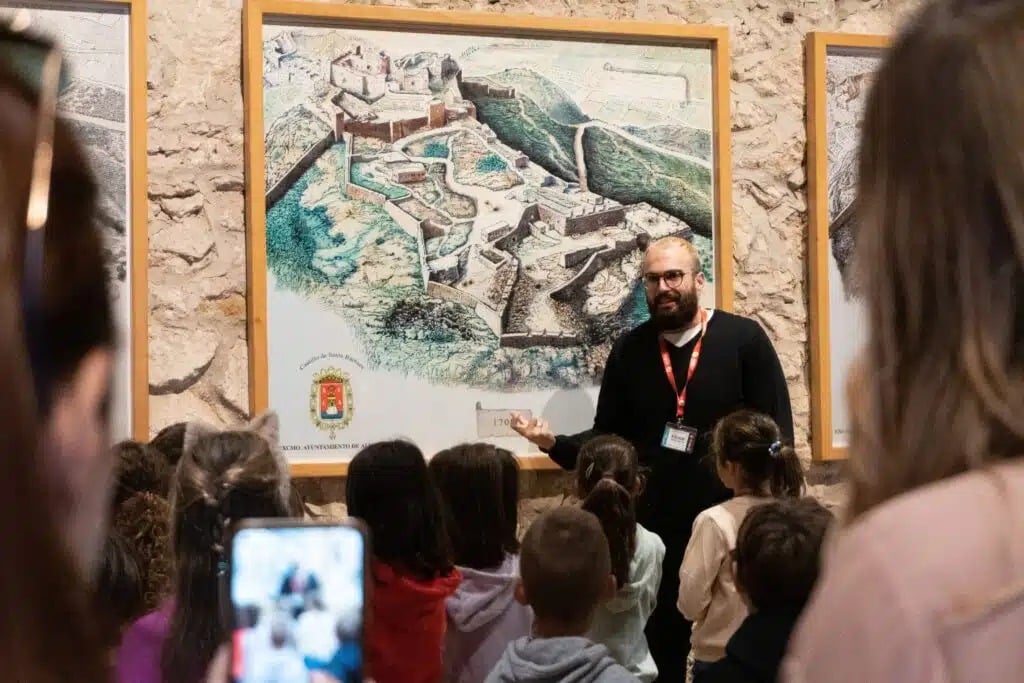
(103, 43)
(840, 72)
(447, 213)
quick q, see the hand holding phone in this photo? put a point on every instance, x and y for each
(298, 599)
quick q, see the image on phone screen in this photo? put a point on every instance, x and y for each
(297, 601)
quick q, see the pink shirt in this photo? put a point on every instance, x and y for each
(926, 588)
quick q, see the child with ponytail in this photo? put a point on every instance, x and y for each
(222, 477)
(608, 481)
(758, 467)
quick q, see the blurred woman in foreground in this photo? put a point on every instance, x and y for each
(56, 339)
(926, 582)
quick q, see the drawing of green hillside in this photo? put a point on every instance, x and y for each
(551, 99)
(543, 128)
(621, 169)
(289, 138)
(693, 141)
(542, 121)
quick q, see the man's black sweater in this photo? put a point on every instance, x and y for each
(737, 368)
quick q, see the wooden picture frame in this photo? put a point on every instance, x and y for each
(136, 337)
(824, 378)
(259, 13)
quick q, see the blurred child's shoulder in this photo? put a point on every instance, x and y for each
(649, 542)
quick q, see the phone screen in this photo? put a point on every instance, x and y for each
(297, 595)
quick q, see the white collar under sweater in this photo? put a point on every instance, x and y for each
(681, 339)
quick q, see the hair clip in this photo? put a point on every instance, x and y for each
(775, 449)
(590, 470)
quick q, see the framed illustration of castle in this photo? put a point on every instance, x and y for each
(104, 103)
(840, 72)
(447, 213)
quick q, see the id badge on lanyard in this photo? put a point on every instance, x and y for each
(677, 436)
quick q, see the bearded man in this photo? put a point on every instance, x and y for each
(665, 385)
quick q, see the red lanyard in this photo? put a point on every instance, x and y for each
(694, 357)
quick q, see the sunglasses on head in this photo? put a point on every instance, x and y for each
(39, 65)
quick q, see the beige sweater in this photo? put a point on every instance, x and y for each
(707, 592)
(926, 588)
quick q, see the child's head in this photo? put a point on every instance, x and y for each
(752, 459)
(608, 481)
(565, 571)
(469, 479)
(778, 551)
(223, 477)
(139, 468)
(390, 488)
(509, 498)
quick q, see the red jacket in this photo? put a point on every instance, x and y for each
(406, 627)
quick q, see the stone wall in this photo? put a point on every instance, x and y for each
(198, 362)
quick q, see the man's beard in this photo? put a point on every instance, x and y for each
(675, 318)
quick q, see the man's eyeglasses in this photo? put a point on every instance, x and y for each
(672, 278)
(39, 65)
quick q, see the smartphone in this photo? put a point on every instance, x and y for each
(297, 601)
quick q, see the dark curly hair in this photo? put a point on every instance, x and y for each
(140, 468)
(143, 521)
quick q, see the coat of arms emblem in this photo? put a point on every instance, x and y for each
(330, 401)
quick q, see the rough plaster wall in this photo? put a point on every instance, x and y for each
(197, 256)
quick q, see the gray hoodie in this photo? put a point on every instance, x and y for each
(619, 624)
(558, 660)
(483, 618)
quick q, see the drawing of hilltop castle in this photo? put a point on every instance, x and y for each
(502, 185)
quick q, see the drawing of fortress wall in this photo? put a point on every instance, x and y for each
(522, 340)
(486, 313)
(571, 259)
(389, 131)
(571, 289)
(654, 72)
(475, 87)
(506, 242)
(569, 216)
(505, 281)
(346, 175)
(414, 227)
(281, 187)
(365, 194)
(588, 222)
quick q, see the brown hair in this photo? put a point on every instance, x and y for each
(118, 590)
(510, 498)
(390, 487)
(470, 482)
(565, 565)
(144, 522)
(778, 552)
(769, 466)
(940, 248)
(140, 468)
(40, 588)
(608, 481)
(222, 478)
